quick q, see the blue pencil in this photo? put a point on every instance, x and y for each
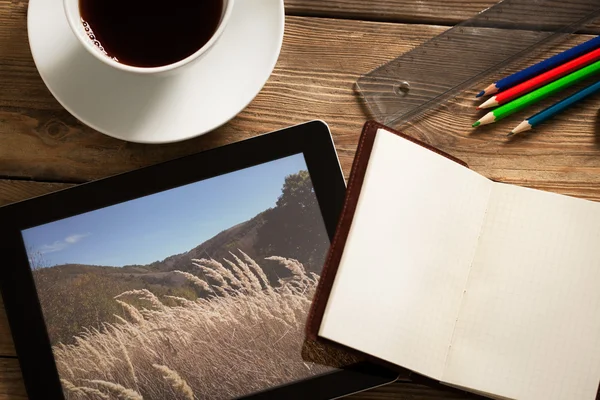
(555, 109)
(541, 67)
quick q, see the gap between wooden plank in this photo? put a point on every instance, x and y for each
(437, 12)
(375, 18)
(592, 29)
(431, 12)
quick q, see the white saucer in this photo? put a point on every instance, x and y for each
(149, 109)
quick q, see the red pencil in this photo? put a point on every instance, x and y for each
(541, 80)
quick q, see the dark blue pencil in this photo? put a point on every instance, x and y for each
(555, 109)
(541, 67)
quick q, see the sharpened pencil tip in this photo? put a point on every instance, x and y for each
(522, 127)
(476, 124)
(511, 133)
(478, 108)
(480, 93)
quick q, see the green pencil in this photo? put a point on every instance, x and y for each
(539, 94)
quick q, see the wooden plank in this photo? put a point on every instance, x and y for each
(424, 12)
(406, 390)
(11, 381)
(7, 347)
(436, 12)
(430, 11)
(12, 191)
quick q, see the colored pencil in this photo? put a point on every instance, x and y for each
(541, 80)
(538, 94)
(541, 67)
(555, 109)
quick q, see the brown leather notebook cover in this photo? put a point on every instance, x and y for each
(359, 167)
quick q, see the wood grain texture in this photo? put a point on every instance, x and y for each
(12, 191)
(438, 12)
(11, 381)
(7, 347)
(406, 390)
(431, 11)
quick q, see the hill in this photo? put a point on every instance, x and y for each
(243, 235)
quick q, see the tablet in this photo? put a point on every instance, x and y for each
(190, 279)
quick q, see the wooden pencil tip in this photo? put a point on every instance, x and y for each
(511, 133)
(476, 124)
(492, 89)
(480, 93)
(491, 102)
(478, 108)
(522, 127)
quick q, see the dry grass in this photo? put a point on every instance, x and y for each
(244, 337)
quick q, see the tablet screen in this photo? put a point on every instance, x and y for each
(200, 291)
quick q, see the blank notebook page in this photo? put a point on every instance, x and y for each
(405, 264)
(529, 327)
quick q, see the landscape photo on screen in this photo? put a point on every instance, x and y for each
(198, 292)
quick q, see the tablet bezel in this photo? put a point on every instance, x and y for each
(32, 344)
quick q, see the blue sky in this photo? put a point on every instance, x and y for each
(154, 227)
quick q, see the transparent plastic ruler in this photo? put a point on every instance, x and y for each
(439, 69)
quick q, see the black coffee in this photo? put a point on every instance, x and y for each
(151, 33)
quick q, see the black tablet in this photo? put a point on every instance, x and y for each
(190, 279)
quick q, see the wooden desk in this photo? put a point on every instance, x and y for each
(327, 45)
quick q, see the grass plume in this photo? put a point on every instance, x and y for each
(176, 381)
(246, 327)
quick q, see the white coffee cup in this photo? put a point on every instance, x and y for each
(77, 26)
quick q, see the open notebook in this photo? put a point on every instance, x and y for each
(490, 287)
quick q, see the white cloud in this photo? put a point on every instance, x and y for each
(63, 244)
(51, 248)
(76, 238)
